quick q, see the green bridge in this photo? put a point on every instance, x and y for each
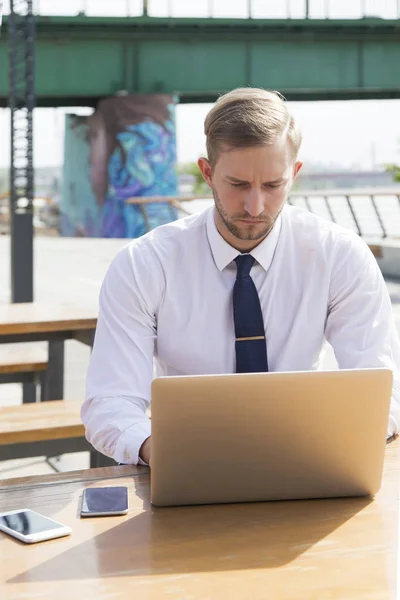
(81, 59)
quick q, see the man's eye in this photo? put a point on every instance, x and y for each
(238, 185)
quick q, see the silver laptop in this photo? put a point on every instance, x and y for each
(268, 436)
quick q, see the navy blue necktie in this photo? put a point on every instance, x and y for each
(251, 349)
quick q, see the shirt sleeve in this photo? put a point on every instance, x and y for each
(120, 372)
(360, 323)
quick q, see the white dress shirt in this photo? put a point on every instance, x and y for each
(168, 295)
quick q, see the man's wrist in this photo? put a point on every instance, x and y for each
(145, 451)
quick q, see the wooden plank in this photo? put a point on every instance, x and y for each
(40, 421)
(333, 193)
(376, 250)
(39, 318)
(341, 548)
(171, 199)
(340, 192)
(22, 359)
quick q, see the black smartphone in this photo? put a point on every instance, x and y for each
(104, 501)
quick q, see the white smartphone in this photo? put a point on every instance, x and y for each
(104, 501)
(31, 527)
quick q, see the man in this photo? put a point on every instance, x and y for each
(251, 284)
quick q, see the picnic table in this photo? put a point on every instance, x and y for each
(53, 323)
(336, 548)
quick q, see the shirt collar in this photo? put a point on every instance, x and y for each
(224, 254)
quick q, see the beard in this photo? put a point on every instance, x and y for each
(245, 231)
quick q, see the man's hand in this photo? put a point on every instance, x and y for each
(145, 451)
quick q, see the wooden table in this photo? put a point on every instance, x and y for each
(343, 549)
(54, 323)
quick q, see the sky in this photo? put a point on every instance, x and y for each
(221, 8)
(359, 134)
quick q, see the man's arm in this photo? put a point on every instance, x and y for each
(360, 324)
(121, 366)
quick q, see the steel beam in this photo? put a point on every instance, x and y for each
(198, 59)
(21, 102)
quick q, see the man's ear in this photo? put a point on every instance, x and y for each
(297, 168)
(206, 170)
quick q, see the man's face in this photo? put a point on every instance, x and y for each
(250, 187)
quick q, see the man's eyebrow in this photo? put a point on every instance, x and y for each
(275, 181)
(236, 180)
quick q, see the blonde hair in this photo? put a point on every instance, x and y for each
(248, 117)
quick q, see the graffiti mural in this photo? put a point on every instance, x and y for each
(126, 149)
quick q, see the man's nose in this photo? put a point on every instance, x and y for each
(254, 204)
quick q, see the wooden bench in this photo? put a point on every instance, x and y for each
(43, 429)
(376, 250)
(26, 365)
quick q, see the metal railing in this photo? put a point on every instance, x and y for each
(251, 9)
(371, 213)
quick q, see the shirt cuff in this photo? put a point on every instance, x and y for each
(129, 443)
